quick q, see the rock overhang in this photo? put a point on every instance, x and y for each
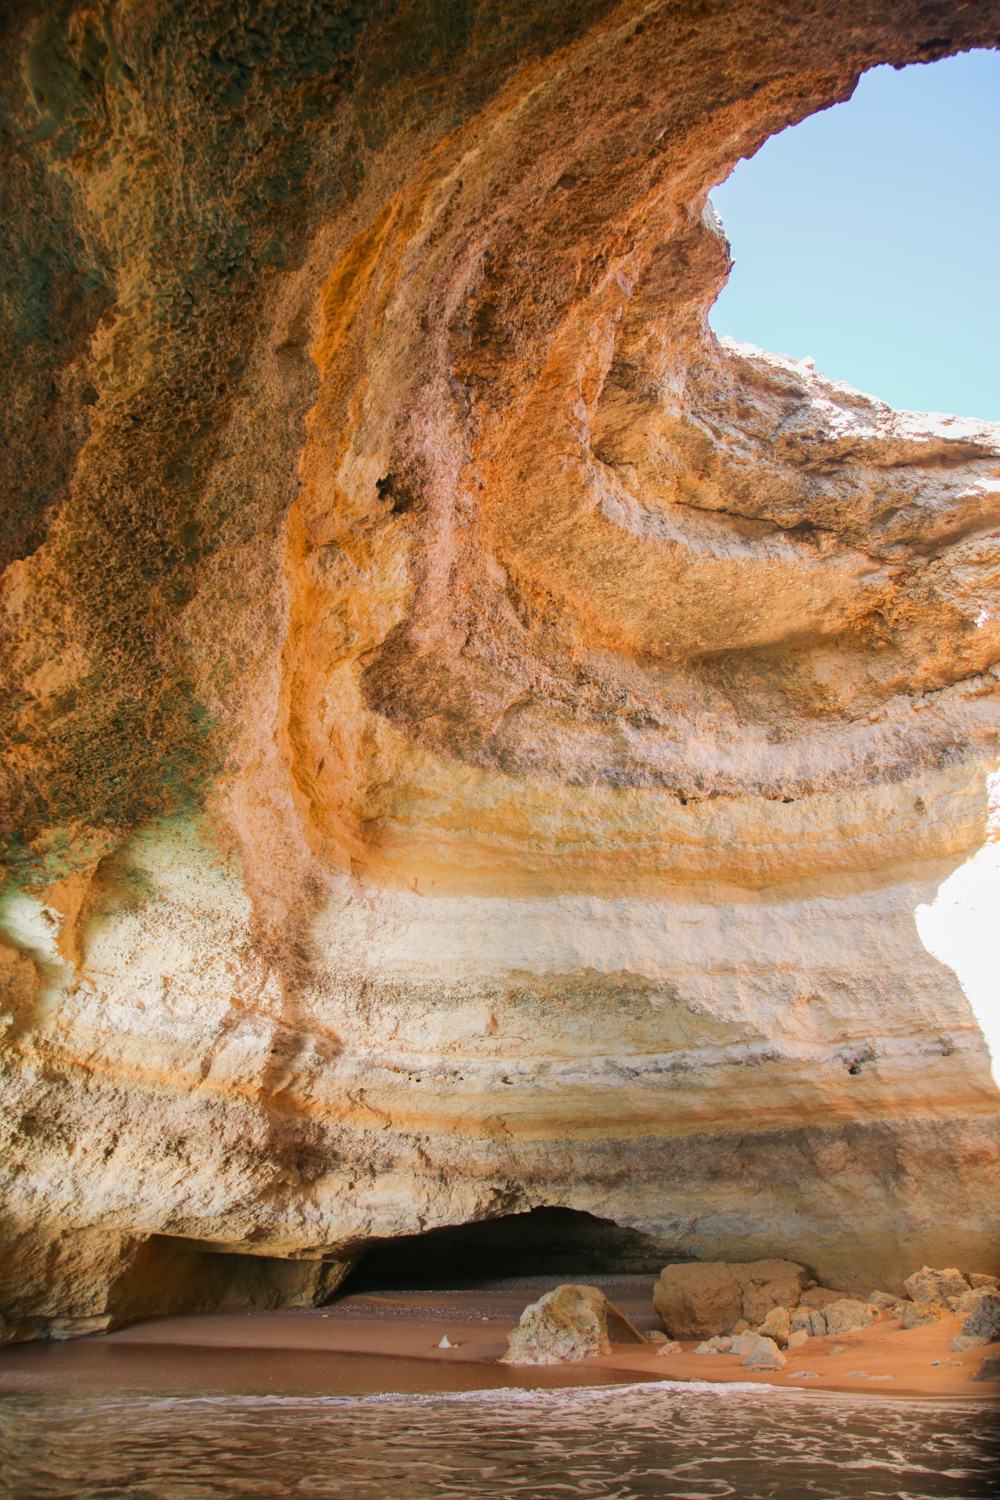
(471, 731)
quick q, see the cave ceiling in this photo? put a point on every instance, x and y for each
(471, 739)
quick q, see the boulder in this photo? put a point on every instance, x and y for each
(567, 1324)
(847, 1315)
(916, 1314)
(984, 1319)
(720, 1344)
(989, 1369)
(764, 1355)
(933, 1288)
(970, 1300)
(808, 1320)
(656, 1336)
(769, 1283)
(699, 1299)
(819, 1297)
(777, 1326)
(669, 1346)
(977, 1279)
(797, 1338)
(764, 1272)
(964, 1342)
(883, 1301)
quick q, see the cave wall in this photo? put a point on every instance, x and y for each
(471, 739)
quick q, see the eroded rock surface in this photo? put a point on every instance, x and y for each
(916, 1314)
(983, 1320)
(471, 740)
(704, 1300)
(936, 1287)
(847, 1314)
(760, 1354)
(568, 1324)
(989, 1369)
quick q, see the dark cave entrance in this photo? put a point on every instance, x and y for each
(558, 1242)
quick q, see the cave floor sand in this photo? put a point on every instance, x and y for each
(390, 1341)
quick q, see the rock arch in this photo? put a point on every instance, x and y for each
(474, 741)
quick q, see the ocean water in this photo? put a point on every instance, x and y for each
(622, 1442)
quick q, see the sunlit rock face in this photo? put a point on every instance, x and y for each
(472, 740)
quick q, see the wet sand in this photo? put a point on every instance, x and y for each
(390, 1341)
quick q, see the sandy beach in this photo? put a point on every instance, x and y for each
(392, 1340)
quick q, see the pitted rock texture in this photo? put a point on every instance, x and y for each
(568, 1324)
(471, 740)
(708, 1299)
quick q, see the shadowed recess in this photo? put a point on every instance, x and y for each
(541, 1242)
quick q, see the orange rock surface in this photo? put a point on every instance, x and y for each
(471, 739)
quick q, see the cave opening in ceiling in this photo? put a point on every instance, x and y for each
(863, 238)
(470, 740)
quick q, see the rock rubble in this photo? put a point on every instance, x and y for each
(694, 1299)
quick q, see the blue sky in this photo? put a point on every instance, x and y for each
(869, 235)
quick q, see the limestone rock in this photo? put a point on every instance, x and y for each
(567, 1324)
(969, 1300)
(978, 1280)
(669, 1346)
(777, 1326)
(935, 1287)
(847, 1315)
(760, 1297)
(984, 1319)
(989, 1369)
(883, 1301)
(699, 1299)
(819, 1297)
(471, 738)
(797, 1338)
(963, 1341)
(809, 1320)
(916, 1314)
(720, 1344)
(764, 1355)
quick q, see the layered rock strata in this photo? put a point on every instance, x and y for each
(471, 739)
